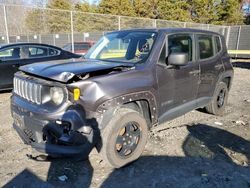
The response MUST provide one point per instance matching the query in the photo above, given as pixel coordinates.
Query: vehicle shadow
(205, 164)
(211, 142)
(242, 64)
(6, 91)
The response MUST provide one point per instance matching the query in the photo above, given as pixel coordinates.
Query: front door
(177, 85)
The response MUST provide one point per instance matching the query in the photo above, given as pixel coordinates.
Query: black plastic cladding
(130, 98)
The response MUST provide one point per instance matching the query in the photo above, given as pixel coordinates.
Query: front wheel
(124, 138)
(219, 101)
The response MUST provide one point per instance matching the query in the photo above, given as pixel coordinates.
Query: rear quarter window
(218, 44)
(53, 52)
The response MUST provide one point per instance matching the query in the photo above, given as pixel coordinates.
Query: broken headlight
(57, 95)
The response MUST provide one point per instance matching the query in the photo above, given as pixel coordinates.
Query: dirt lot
(195, 150)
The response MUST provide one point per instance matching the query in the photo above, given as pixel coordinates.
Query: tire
(126, 124)
(219, 101)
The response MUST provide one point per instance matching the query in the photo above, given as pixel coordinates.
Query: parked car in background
(12, 56)
(79, 47)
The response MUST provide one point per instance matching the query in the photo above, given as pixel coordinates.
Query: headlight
(56, 95)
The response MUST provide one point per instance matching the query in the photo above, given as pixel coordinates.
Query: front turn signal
(77, 93)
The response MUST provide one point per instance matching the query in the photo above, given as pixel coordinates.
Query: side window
(217, 44)
(181, 43)
(78, 47)
(86, 46)
(205, 43)
(67, 47)
(81, 46)
(37, 52)
(10, 54)
(53, 52)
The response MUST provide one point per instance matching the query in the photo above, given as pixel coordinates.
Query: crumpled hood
(64, 70)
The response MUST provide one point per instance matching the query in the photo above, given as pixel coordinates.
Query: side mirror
(178, 59)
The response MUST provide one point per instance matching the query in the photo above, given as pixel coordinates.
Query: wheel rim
(221, 98)
(128, 139)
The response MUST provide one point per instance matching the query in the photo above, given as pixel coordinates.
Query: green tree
(117, 7)
(205, 11)
(84, 22)
(231, 13)
(32, 19)
(85, 7)
(146, 8)
(59, 20)
(177, 10)
(60, 4)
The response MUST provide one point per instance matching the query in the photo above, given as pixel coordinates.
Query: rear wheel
(219, 101)
(124, 138)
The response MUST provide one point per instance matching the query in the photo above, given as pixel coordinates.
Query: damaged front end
(55, 129)
(68, 135)
(49, 117)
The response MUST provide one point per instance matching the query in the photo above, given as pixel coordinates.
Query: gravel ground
(195, 150)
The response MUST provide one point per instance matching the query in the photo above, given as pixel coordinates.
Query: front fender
(132, 97)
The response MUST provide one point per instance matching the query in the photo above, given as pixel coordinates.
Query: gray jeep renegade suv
(127, 83)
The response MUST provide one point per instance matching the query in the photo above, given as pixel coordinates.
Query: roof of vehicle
(27, 43)
(172, 30)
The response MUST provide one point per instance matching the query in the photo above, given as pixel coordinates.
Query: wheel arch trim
(227, 74)
(132, 97)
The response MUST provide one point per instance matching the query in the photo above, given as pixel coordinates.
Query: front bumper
(63, 134)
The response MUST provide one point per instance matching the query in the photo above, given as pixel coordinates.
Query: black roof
(172, 30)
(26, 43)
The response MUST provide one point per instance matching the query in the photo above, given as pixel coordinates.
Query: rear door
(209, 57)
(9, 64)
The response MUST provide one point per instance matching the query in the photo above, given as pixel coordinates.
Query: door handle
(219, 66)
(195, 72)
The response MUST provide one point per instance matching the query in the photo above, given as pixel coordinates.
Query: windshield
(125, 46)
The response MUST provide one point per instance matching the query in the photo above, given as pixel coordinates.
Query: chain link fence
(60, 27)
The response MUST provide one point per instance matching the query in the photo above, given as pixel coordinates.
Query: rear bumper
(69, 134)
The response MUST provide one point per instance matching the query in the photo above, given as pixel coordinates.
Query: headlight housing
(57, 95)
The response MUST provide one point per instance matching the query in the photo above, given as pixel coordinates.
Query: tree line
(219, 12)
